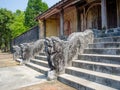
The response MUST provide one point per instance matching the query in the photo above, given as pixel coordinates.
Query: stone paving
(19, 76)
(52, 85)
(16, 77)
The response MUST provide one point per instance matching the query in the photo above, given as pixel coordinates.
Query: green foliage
(34, 8)
(18, 26)
(6, 19)
(14, 24)
(11, 26)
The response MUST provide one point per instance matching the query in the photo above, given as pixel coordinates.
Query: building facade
(68, 16)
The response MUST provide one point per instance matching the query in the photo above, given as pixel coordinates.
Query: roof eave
(55, 9)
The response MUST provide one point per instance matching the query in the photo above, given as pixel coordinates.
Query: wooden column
(104, 14)
(84, 21)
(78, 20)
(44, 24)
(38, 32)
(61, 23)
(118, 12)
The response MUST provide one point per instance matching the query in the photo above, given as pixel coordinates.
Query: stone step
(39, 62)
(108, 33)
(112, 34)
(97, 66)
(38, 68)
(82, 84)
(107, 39)
(43, 54)
(106, 51)
(105, 45)
(113, 59)
(41, 57)
(98, 77)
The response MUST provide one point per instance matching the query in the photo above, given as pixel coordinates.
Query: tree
(6, 18)
(34, 8)
(18, 26)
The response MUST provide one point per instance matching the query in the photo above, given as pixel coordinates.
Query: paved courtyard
(16, 77)
(19, 76)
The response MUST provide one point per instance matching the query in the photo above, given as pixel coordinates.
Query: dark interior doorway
(111, 13)
(94, 17)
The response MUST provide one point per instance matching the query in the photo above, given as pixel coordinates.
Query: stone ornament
(62, 52)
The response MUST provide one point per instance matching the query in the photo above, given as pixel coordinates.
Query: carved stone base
(20, 61)
(51, 75)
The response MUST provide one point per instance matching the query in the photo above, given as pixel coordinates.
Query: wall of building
(89, 15)
(41, 25)
(30, 36)
(70, 20)
(52, 27)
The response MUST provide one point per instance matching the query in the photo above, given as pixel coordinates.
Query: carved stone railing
(26, 51)
(107, 32)
(68, 50)
(65, 51)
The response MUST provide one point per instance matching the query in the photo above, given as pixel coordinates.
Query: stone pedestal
(20, 61)
(51, 75)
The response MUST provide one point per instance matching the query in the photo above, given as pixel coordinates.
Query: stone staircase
(39, 63)
(98, 68)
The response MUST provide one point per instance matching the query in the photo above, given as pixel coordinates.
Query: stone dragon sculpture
(65, 51)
